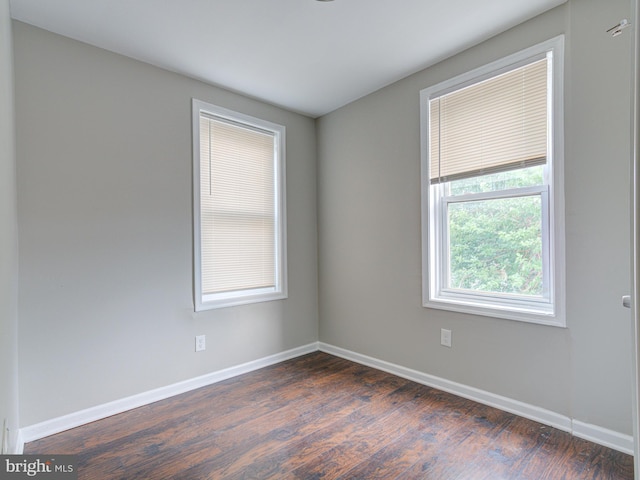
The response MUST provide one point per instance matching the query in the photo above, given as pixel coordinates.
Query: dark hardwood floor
(319, 416)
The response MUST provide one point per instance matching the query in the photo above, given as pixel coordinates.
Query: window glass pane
(524, 177)
(495, 245)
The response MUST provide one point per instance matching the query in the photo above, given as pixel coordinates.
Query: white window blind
(496, 125)
(238, 224)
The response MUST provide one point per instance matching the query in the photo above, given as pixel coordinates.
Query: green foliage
(496, 245)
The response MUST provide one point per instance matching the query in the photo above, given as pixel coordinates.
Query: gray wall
(8, 237)
(104, 208)
(369, 233)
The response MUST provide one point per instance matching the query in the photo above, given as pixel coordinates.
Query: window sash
(442, 287)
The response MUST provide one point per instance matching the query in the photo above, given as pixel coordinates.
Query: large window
(493, 237)
(239, 222)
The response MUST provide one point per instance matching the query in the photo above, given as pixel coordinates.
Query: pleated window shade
(238, 206)
(496, 125)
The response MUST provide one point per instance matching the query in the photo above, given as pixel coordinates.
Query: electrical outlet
(200, 343)
(445, 337)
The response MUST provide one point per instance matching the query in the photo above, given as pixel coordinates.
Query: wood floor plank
(332, 435)
(322, 417)
(359, 397)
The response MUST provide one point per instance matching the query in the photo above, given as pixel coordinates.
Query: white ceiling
(308, 56)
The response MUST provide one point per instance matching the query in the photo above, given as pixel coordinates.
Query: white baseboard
(603, 436)
(72, 420)
(593, 433)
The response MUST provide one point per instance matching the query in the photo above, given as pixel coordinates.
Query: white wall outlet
(200, 343)
(445, 337)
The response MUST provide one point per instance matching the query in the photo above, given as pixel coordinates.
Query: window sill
(212, 302)
(508, 312)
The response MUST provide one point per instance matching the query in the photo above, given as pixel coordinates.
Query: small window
(493, 239)
(239, 221)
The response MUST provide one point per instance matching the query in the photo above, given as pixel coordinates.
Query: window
(239, 214)
(492, 190)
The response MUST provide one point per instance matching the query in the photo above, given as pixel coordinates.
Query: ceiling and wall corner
(307, 56)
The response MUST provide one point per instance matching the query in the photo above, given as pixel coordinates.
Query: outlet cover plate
(445, 337)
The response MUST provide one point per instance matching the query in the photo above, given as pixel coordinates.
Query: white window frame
(549, 309)
(210, 301)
